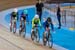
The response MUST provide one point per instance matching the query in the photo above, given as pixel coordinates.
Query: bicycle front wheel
(24, 32)
(32, 35)
(50, 41)
(37, 36)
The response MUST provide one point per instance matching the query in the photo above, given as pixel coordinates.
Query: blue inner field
(62, 37)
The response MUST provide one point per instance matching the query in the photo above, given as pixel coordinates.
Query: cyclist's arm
(52, 27)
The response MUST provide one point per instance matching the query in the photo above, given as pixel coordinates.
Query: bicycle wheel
(50, 41)
(32, 35)
(10, 28)
(37, 36)
(44, 39)
(20, 30)
(14, 27)
(24, 32)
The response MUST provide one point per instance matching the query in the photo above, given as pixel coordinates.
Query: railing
(67, 14)
(68, 18)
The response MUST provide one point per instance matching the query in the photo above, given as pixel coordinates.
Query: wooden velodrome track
(9, 41)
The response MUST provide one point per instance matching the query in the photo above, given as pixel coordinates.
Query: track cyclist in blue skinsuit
(23, 19)
(47, 23)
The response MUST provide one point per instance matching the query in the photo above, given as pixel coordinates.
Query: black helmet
(48, 19)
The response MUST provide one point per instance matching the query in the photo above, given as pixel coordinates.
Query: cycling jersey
(46, 25)
(24, 16)
(35, 22)
(14, 15)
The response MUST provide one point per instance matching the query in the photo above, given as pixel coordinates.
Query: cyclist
(14, 18)
(23, 18)
(14, 14)
(47, 23)
(34, 34)
(24, 15)
(35, 21)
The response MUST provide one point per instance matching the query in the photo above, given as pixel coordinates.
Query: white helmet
(36, 16)
(15, 10)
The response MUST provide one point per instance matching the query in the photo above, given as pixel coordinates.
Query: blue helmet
(25, 11)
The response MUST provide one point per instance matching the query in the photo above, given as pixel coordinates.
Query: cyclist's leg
(23, 23)
(23, 27)
(32, 33)
(14, 25)
(20, 24)
(45, 34)
(50, 40)
(32, 30)
(37, 34)
(10, 25)
(48, 32)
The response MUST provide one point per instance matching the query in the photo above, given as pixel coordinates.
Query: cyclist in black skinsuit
(13, 18)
